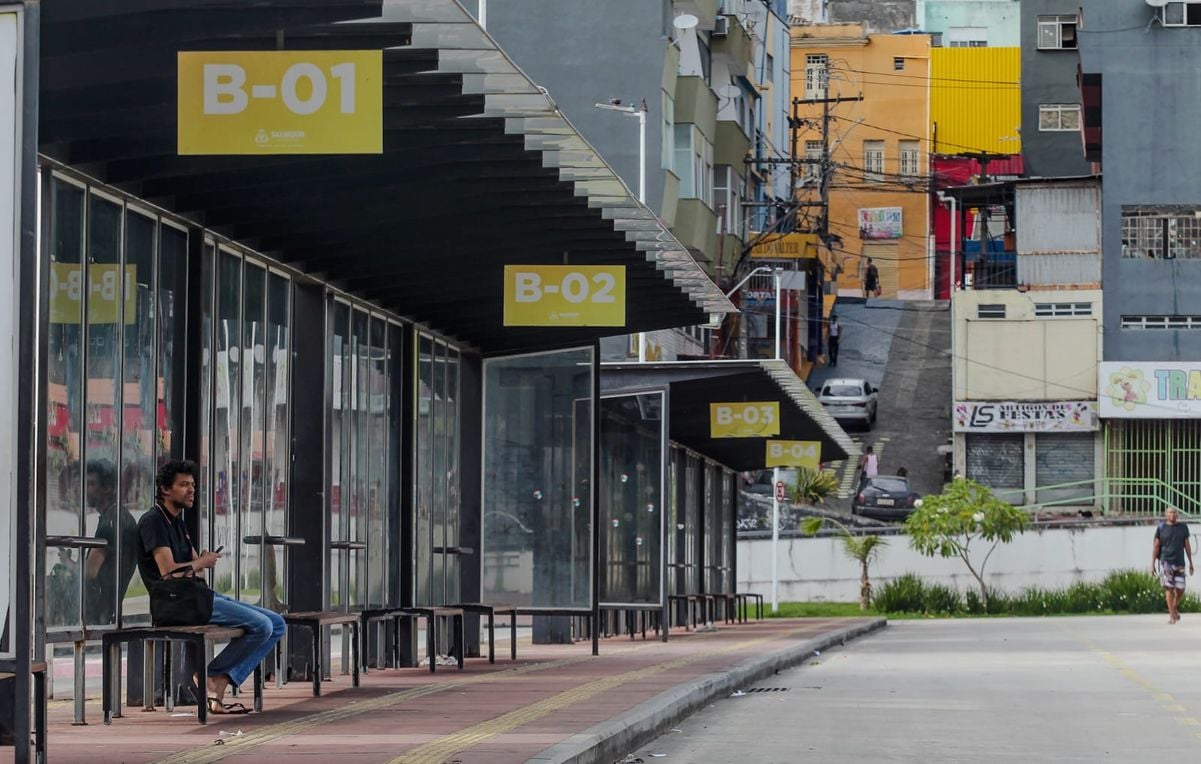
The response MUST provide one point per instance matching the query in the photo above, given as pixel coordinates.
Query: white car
(849, 400)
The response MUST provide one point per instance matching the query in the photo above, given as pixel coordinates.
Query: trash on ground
(738, 694)
(224, 733)
(657, 755)
(182, 715)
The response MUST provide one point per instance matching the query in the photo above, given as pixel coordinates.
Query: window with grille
(727, 199)
(1057, 32)
(1161, 322)
(967, 37)
(816, 75)
(813, 152)
(988, 310)
(873, 160)
(1161, 232)
(1060, 309)
(911, 156)
(1058, 117)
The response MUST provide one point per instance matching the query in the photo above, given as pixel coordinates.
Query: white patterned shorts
(1172, 576)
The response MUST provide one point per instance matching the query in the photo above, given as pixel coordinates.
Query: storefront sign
(565, 295)
(1022, 416)
(1150, 390)
(104, 293)
(794, 453)
(881, 223)
(281, 102)
(759, 419)
(789, 246)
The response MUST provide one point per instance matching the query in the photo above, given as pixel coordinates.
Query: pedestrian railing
(1111, 496)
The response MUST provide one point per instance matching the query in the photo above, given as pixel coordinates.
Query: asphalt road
(1084, 689)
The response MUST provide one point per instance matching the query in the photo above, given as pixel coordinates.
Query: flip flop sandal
(226, 709)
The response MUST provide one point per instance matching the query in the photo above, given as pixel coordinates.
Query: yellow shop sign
(794, 453)
(281, 102)
(565, 295)
(744, 420)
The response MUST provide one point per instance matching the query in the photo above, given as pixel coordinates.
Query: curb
(611, 740)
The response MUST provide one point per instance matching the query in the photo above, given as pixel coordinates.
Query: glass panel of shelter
(114, 396)
(436, 554)
(631, 499)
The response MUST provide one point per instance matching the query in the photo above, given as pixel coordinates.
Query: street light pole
(632, 111)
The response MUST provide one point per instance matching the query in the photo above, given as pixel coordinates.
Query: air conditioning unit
(721, 26)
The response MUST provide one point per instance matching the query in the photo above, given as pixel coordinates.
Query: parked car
(849, 400)
(885, 497)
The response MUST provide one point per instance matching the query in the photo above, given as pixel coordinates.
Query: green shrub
(941, 600)
(904, 594)
(1132, 591)
(998, 603)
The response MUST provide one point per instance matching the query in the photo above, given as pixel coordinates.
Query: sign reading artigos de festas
(1022, 416)
(281, 102)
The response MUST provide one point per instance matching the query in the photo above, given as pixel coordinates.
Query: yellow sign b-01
(281, 102)
(794, 453)
(565, 295)
(759, 419)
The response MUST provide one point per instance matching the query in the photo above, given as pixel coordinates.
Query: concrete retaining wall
(816, 569)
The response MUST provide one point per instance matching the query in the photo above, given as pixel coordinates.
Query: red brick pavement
(507, 712)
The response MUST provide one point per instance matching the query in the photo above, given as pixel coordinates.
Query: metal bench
(313, 621)
(492, 611)
(691, 603)
(431, 616)
(199, 639)
(38, 670)
(729, 606)
(744, 599)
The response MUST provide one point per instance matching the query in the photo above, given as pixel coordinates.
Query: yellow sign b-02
(565, 295)
(794, 453)
(281, 102)
(744, 420)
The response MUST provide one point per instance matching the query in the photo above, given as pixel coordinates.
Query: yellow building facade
(879, 152)
(976, 100)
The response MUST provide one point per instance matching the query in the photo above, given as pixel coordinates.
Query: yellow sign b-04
(565, 295)
(794, 453)
(281, 102)
(759, 419)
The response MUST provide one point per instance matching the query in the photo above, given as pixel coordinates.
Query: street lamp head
(615, 105)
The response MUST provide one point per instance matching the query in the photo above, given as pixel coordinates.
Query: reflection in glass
(105, 300)
(674, 532)
(726, 528)
(251, 490)
(227, 419)
(340, 448)
(712, 525)
(438, 472)
(64, 399)
(537, 479)
(692, 521)
(359, 473)
(631, 498)
(276, 452)
(206, 498)
(452, 474)
(377, 473)
(423, 552)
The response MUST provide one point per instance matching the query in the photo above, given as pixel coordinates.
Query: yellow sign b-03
(565, 295)
(281, 102)
(794, 453)
(759, 419)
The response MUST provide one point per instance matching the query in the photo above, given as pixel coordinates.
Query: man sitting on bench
(164, 545)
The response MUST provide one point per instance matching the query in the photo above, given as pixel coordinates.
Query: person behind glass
(165, 545)
(107, 581)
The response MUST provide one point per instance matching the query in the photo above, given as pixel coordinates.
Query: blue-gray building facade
(1051, 147)
(1150, 76)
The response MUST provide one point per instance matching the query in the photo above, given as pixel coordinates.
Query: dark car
(885, 497)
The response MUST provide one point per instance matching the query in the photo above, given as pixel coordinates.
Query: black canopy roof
(693, 385)
(479, 168)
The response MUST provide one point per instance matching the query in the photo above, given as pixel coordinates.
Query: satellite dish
(685, 21)
(1157, 3)
(729, 91)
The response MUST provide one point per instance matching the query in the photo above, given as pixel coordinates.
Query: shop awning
(694, 385)
(479, 168)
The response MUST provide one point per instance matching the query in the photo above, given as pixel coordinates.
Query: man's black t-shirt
(156, 529)
(100, 600)
(1172, 538)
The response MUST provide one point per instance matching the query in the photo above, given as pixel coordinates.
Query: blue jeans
(263, 629)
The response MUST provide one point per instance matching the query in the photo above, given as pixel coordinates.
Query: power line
(924, 77)
(915, 137)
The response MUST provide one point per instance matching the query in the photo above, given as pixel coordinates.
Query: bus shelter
(669, 471)
(323, 331)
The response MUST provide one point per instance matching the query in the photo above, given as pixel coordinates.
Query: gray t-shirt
(1172, 538)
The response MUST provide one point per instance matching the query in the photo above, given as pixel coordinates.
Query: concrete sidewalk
(557, 703)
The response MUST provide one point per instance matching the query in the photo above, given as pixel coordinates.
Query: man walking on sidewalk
(1167, 559)
(835, 338)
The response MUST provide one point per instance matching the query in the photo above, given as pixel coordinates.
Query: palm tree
(862, 549)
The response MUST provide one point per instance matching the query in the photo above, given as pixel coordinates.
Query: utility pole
(823, 225)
